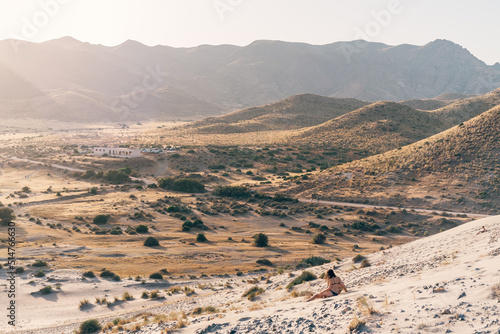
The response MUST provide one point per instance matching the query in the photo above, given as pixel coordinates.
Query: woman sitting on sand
(335, 286)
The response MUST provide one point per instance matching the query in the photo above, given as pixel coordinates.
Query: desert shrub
(101, 219)
(40, 274)
(6, 215)
(260, 240)
(90, 326)
(365, 263)
(201, 237)
(312, 262)
(127, 296)
(45, 290)
(306, 276)
(358, 258)
(253, 292)
(364, 226)
(110, 274)
(89, 274)
(264, 262)
(496, 291)
(116, 176)
(231, 191)
(282, 198)
(185, 185)
(39, 263)
(19, 270)
(392, 229)
(356, 324)
(319, 239)
(151, 242)
(156, 276)
(141, 229)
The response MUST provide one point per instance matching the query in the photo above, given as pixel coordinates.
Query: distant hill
(426, 104)
(376, 128)
(295, 112)
(455, 169)
(209, 80)
(466, 109)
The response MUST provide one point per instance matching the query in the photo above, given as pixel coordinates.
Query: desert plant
(84, 303)
(305, 276)
(156, 276)
(45, 290)
(365, 306)
(201, 237)
(356, 324)
(264, 262)
(253, 292)
(39, 263)
(90, 326)
(185, 185)
(260, 240)
(6, 215)
(151, 242)
(312, 262)
(231, 191)
(145, 295)
(358, 258)
(365, 263)
(496, 291)
(88, 274)
(154, 294)
(127, 296)
(40, 274)
(141, 229)
(319, 239)
(101, 219)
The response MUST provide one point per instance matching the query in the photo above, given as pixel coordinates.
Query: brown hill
(295, 112)
(466, 109)
(376, 128)
(458, 169)
(426, 104)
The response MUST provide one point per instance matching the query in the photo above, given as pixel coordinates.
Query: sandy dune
(439, 284)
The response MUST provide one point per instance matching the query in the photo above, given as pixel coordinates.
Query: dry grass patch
(356, 324)
(365, 306)
(253, 292)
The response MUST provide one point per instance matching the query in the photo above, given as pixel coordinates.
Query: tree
(6, 215)
(260, 240)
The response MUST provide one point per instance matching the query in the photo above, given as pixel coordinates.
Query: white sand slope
(439, 284)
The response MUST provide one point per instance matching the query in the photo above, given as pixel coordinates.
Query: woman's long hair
(329, 274)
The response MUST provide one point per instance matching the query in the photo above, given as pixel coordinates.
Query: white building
(120, 152)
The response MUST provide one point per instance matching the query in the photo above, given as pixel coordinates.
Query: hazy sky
(472, 24)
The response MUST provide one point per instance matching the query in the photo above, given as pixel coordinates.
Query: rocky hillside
(211, 79)
(455, 169)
